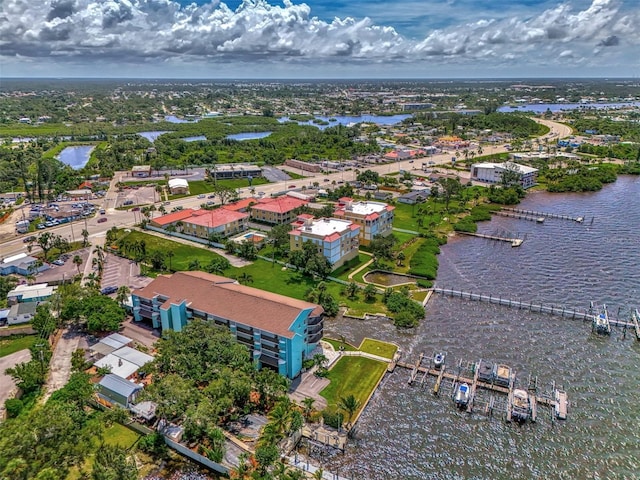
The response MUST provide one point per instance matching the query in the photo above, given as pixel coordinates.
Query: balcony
(314, 338)
(314, 320)
(313, 329)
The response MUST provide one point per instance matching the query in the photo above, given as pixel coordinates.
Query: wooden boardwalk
(534, 214)
(519, 216)
(565, 312)
(515, 242)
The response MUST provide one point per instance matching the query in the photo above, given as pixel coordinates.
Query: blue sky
(320, 38)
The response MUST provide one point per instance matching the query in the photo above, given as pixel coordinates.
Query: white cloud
(152, 31)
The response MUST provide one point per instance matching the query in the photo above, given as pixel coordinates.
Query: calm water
(557, 107)
(198, 138)
(76, 157)
(152, 136)
(407, 433)
(346, 120)
(248, 136)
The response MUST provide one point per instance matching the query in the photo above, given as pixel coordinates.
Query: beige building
(373, 218)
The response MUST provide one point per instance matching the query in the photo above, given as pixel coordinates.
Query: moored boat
(462, 395)
(520, 406)
(601, 324)
(502, 375)
(438, 360)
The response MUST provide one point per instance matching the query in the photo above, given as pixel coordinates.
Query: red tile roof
(224, 298)
(279, 204)
(173, 217)
(215, 218)
(241, 204)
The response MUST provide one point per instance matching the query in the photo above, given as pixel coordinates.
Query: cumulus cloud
(134, 31)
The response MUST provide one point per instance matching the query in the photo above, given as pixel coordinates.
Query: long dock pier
(519, 216)
(534, 214)
(515, 242)
(565, 312)
(557, 400)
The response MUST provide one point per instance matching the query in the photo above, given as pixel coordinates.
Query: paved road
(7, 385)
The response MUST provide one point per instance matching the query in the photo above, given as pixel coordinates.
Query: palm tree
(122, 295)
(170, 254)
(85, 237)
(308, 407)
(244, 278)
(350, 405)
(77, 261)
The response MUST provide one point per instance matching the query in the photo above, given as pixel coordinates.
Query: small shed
(178, 186)
(119, 391)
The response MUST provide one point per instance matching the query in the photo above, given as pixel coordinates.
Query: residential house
(21, 313)
(30, 293)
(21, 264)
(278, 331)
(118, 391)
(374, 218)
(202, 223)
(336, 239)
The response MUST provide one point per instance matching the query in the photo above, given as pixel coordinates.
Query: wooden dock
(566, 312)
(519, 216)
(534, 214)
(557, 400)
(515, 242)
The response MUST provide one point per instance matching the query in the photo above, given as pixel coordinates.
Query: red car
(102, 219)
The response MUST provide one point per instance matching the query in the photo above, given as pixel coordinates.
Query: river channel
(407, 433)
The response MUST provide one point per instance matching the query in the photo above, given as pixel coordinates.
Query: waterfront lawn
(118, 434)
(357, 376)
(343, 272)
(15, 343)
(376, 347)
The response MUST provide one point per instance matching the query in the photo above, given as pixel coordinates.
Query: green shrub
(405, 319)
(333, 419)
(13, 406)
(424, 262)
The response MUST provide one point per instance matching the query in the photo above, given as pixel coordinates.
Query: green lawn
(343, 272)
(376, 347)
(183, 254)
(357, 376)
(13, 344)
(120, 435)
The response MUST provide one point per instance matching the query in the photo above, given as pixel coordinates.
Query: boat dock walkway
(519, 216)
(557, 400)
(515, 242)
(566, 312)
(534, 214)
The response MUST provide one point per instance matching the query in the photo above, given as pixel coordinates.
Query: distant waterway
(76, 157)
(558, 107)
(174, 119)
(198, 138)
(407, 433)
(248, 136)
(348, 120)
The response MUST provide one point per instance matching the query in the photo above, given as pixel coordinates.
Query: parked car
(102, 211)
(202, 195)
(211, 196)
(135, 209)
(102, 219)
(58, 262)
(41, 226)
(128, 202)
(109, 290)
(30, 238)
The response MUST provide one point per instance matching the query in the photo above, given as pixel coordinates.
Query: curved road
(127, 218)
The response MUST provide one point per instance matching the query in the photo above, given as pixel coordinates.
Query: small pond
(248, 136)
(174, 119)
(387, 279)
(76, 157)
(199, 138)
(152, 136)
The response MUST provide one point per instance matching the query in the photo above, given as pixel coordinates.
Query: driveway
(60, 365)
(139, 332)
(7, 385)
(308, 385)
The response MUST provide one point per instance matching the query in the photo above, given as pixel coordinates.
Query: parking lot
(66, 271)
(137, 196)
(122, 271)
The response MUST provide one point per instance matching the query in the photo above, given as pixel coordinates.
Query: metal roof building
(115, 389)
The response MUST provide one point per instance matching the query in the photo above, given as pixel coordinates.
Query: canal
(407, 433)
